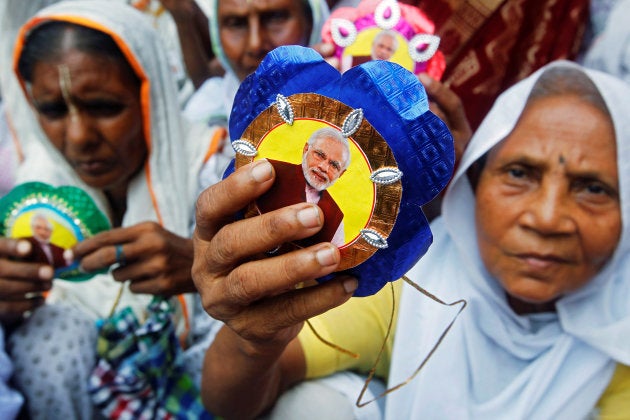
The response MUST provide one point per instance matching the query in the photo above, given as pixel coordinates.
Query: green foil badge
(52, 220)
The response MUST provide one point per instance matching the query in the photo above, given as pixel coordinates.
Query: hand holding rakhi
(21, 282)
(257, 298)
(153, 259)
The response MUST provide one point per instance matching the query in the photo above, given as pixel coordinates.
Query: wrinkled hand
(21, 282)
(445, 103)
(327, 51)
(156, 261)
(257, 297)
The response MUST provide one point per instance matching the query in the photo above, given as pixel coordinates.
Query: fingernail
(23, 247)
(327, 48)
(350, 285)
(326, 257)
(309, 217)
(261, 171)
(45, 272)
(425, 79)
(68, 255)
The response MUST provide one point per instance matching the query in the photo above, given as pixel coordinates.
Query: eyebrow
(331, 161)
(585, 173)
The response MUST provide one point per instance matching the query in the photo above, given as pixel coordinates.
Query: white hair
(40, 216)
(333, 134)
(386, 32)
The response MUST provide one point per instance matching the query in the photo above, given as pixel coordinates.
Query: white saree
(494, 364)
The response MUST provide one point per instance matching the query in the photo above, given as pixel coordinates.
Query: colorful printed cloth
(490, 45)
(139, 374)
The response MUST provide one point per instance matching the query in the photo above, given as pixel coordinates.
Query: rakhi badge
(52, 220)
(385, 30)
(363, 146)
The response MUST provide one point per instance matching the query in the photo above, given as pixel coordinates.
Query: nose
(79, 132)
(255, 39)
(549, 211)
(324, 166)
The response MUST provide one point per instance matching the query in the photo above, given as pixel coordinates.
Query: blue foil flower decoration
(395, 103)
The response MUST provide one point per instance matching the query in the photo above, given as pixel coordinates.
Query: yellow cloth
(615, 402)
(368, 319)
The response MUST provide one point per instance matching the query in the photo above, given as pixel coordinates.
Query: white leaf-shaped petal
(386, 176)
(423, 46)
(374, 238)
(387, 14)
(343, 32)
(284, 109)
(244, 147)
(352, 122)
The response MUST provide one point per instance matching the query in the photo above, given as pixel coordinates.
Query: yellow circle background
(353, 192)
(61, 236)
(362, 46)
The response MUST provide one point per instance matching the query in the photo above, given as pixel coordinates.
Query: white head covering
(213, 100)
(494, 363)
(610, 51)
(165, 190)
(22, 124)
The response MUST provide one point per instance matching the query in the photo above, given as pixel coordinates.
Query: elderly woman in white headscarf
(542, 261)
(242, 33)
(99, 82)
(534, 235)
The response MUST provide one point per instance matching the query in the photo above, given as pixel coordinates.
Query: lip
(321, 178)
(93, 166)
(542, 261)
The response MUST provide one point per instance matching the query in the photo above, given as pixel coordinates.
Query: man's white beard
(312, 179)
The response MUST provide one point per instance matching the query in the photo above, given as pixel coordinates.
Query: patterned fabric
(140, 374)
(53, 355)
(490, 45)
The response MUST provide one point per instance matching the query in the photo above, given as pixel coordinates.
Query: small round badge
(52, 220)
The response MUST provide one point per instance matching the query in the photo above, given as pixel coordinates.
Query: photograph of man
(43, 250)
(325, 157)
(384, 45)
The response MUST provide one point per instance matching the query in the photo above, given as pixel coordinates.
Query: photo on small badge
(52, 220)
(385, 30)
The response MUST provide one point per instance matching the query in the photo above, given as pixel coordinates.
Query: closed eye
(105, 109)
(276, 17)
(52, 110)
(234, 22)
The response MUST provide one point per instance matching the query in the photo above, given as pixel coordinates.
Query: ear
(305, 148)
